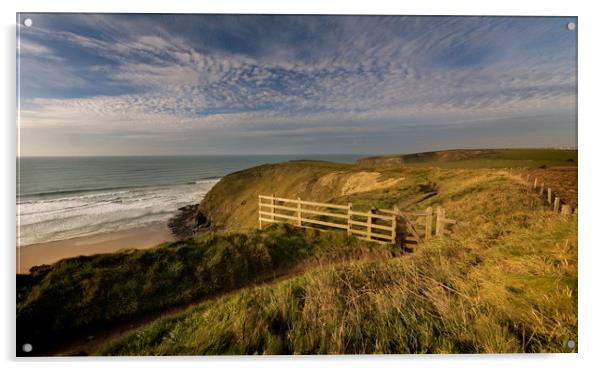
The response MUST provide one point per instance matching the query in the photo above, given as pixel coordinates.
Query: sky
(119, 84)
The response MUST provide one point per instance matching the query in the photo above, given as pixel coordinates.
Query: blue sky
(117, 84)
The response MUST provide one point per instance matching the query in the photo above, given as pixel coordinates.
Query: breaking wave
(84, 212)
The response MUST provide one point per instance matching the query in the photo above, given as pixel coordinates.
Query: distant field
(479, 158)
(562, 181)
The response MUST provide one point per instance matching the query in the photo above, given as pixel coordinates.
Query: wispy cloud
(292, 74)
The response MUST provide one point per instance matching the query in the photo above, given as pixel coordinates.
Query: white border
(589, 139)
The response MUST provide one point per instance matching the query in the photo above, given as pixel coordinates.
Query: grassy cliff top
(505, 282)
(381, 182)
(477, 158)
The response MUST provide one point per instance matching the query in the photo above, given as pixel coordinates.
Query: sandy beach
(50, 252)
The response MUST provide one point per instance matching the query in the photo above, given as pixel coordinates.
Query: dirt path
(93, 341)
(416, 199)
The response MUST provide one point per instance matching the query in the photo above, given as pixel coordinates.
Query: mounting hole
(570, 26)
(28, 22)
(27, 347)
(570, 344)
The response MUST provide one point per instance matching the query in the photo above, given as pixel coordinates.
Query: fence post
(349, 205)
(428, 223)
(369, 224)
(541, 189)
(439, 226)
(535, 184)
(556, 204)
(550, 195)
(272, 209)
(259, 210)
(298, 211)
(528, 176)
(394, 224)
(565, 210)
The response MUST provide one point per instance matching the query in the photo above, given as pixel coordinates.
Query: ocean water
(65, 197)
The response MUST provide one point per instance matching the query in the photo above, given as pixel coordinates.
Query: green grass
(449, 297)
(492, 158)
(506, 282)
(498, 163)
(232, 203)
(77, 295)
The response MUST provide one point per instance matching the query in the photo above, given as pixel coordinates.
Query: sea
(65, 197)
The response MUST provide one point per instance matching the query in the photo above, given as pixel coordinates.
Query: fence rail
(377, 225)
(365, 225)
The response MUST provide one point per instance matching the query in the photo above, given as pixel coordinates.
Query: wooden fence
(378, 225)
(554, 201)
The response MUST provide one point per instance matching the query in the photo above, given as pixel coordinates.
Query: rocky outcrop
(189, 221)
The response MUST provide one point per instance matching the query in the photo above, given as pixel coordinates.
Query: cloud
(291, 74)
(32, 48)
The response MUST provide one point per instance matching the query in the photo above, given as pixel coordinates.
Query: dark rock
(189, 221)
(201, 219)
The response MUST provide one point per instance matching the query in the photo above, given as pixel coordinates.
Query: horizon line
(295, 154)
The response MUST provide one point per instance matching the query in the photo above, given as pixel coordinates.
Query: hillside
(109, 289)
(232, 203)
(505, 282)
(373, 182)
(477, 158)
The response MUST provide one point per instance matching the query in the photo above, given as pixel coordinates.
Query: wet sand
(50, 252)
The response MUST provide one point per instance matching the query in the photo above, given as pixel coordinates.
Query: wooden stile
(413, 232)
(394, 233)
(428, 223)
(439, 224)
(442, 221)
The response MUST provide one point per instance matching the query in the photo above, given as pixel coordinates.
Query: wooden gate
(372, 225)
(419, 225)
